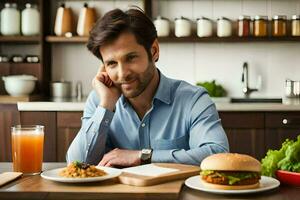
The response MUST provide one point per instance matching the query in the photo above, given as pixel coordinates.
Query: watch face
(146, 151)
(146, 154)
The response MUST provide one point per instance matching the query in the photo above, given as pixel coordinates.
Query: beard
(134, 84)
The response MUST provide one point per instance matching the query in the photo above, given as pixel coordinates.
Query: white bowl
(19, 85)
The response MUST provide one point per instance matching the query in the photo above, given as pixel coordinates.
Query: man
(136, 115)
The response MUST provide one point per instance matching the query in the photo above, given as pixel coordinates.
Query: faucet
(245, 79)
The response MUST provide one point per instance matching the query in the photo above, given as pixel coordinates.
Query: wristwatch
(145, 156)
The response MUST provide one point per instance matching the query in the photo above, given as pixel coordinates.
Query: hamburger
(230, 171)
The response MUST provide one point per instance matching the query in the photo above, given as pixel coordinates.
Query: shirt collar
(163, 92)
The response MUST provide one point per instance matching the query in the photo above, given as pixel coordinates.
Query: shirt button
(106, 121)
(143, 125)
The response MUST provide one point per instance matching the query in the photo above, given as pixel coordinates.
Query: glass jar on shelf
(183, 27)
(10, 20)
(30, 20)
(204, 27)
(296, 25)
(260, 26)
(244, 24)
(162, 26)
(279, 25)
(224, 27)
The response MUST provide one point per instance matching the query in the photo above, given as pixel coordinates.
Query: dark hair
(115, 22)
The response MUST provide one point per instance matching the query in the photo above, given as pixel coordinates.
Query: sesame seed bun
(230, 162)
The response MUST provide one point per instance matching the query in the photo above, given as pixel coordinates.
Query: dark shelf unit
(173, 39)
(148, 7)
(231, 39)
(61, 39)
(20, 39)
(41, 70)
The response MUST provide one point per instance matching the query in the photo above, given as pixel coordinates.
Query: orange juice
(27, 149)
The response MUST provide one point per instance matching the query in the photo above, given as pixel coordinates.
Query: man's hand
(107, 92)
(121, 157)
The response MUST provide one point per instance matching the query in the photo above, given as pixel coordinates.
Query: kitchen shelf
(62, 39)
(233, 39)
(20, 39)
(13, 99)
(214, 39)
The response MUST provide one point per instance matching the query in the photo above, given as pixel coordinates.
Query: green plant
(213, 89)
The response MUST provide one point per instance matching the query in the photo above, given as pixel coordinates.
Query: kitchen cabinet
(68, 125)
(280, 126)
(248, 132)
(47, 119)
(9, 116)
(60, 130)
(254, 133)
(245, 132)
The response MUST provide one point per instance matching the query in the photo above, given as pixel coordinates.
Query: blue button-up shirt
(182, 126)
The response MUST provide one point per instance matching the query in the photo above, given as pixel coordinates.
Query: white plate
(266, 183)
(53, 175)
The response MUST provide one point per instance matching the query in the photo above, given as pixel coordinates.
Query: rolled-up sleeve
(89, 143)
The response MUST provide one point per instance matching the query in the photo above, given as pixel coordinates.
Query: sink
(256, 100)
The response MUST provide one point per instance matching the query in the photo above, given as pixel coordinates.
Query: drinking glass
(27, 148)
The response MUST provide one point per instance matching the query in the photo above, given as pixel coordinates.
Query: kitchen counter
(35, 187)
(221, 106)
(257, 107)
(52, 105)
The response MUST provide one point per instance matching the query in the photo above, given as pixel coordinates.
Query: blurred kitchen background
(275, 61)
(46, 41)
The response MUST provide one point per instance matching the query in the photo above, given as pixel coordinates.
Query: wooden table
(34, 187)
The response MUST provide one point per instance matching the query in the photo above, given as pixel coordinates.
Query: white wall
(193, 62)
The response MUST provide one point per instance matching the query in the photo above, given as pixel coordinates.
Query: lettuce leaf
(287, 158)
(291, 161)
(206, 172)
(232, 180)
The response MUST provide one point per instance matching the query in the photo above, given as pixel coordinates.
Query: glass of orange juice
(27, 148)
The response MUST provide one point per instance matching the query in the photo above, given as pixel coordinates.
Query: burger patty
(222, 178)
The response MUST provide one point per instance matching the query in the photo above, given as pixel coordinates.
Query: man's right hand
(106, 90)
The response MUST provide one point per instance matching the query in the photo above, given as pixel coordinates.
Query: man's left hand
(121, 157)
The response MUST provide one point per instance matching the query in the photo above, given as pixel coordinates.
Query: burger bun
(230, 162)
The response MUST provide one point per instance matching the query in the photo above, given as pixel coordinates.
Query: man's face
(127, 64)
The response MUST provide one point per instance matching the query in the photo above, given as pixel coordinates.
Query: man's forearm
(89, 144)
(191, 157)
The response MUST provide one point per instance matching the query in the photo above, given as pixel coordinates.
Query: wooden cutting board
(35, 187)
(184, 171)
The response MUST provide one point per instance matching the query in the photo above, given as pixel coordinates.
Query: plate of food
(77, 172)
(266, 183)
(231, 173)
